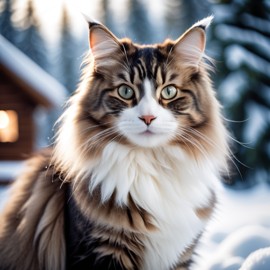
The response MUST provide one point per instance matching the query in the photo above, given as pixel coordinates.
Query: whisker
(244, 144)
(176, 136)
(115, 137)
(199, 147)
(230, 156)
(234, 121)
(240, 143)
(202, 136)
(99, 137)
(97, 126)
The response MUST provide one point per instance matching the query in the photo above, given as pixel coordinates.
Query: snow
(238, 245)
(237, 55)
(256, 22)
(241, 226)
(256, 123)
(233, 86)
(238, 237)
(240, 36)
(258, 260)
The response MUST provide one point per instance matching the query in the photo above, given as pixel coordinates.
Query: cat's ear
(103, 44)
(191, 45)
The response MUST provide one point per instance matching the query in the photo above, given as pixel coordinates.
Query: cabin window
(9, 127)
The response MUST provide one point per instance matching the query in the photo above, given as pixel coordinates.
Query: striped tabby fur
(131, 181)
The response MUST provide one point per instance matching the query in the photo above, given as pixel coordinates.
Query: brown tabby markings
(119, 243)
(122, 227)
(31, 235)
(130, 218)
(34, 218)
(207, 211)
(155, 63)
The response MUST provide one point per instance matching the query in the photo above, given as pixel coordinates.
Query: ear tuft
(204, 23)
(191, 45)
(91, 22)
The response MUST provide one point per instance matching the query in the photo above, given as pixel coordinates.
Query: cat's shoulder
(38, 173)
(34, 213)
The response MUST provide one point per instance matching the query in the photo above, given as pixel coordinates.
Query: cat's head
(146, 95)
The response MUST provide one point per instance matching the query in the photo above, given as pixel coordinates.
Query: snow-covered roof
(43, 87)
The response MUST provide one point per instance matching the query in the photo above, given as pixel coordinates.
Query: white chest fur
(166, 183)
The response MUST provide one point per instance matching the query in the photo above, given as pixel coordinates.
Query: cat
(132, 178)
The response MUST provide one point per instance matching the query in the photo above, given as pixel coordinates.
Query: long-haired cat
(131, 181)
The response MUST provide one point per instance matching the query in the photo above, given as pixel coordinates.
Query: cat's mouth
(147, 133)
(148, 138)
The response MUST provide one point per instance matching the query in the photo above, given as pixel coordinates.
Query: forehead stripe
(142, 67)
(155, 70)
(140, 72)
(122, 77)
(132, 75)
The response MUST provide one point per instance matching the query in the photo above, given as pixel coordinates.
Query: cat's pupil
(169, 92)
(125, 92)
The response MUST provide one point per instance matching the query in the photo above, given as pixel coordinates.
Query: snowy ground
(239, 235)
(240, 227)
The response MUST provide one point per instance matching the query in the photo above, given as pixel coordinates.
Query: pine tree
(31, 41)
(241, 32)
(138, 22)
(68, 54)
(180, 15)
(6, 26)
(107, 15)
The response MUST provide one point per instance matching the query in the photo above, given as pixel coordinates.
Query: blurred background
(53, 35)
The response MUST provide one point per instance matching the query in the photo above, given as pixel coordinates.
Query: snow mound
(239, 229)
(238, 245)
(258, 260)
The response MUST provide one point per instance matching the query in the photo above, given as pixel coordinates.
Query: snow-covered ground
(238, 238)
(240, 227)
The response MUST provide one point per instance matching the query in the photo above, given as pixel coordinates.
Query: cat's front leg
(103, 247)
(117, 250)
(109, 257)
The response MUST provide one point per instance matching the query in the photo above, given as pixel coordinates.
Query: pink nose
(147, 119)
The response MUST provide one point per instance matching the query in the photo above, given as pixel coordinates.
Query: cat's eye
(169, 92)
(125, 92)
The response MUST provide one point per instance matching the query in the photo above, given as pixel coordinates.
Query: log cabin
(24, 88)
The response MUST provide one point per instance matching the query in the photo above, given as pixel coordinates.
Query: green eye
(125, 92)
(169, 92)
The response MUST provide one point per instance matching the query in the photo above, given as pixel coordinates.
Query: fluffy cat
(131, 180)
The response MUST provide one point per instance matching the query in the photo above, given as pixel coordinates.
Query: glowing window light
(9, 130)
